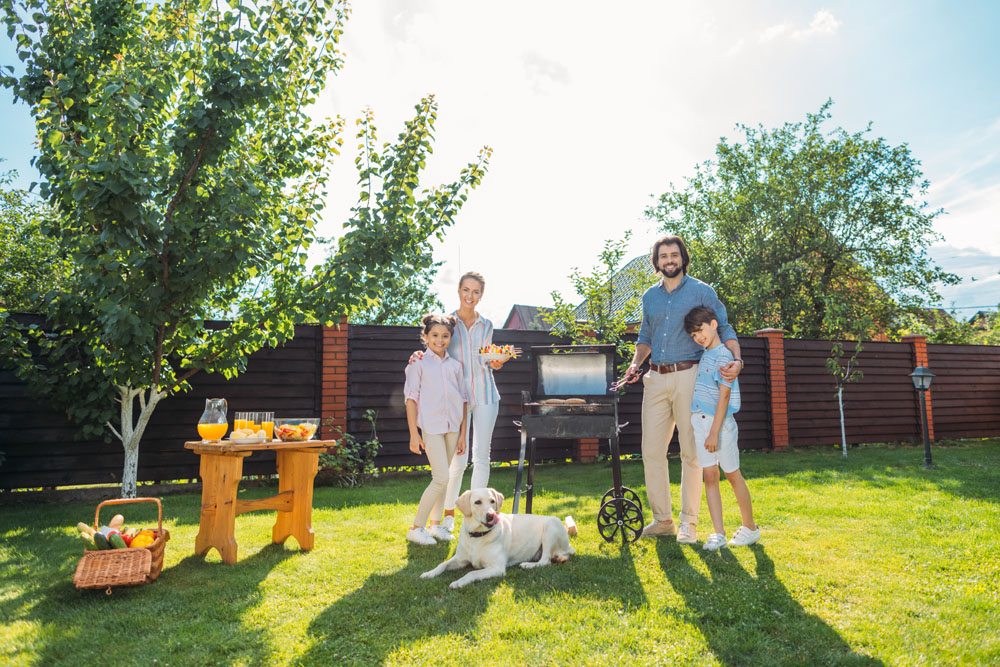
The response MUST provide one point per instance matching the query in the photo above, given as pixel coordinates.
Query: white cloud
(774, 32)
(823, 23)
(735, 48)
(543, 72)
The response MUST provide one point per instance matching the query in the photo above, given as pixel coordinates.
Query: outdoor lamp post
(922, 378)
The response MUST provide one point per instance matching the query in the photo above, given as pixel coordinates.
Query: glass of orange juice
(267, 423)
(240, 421)
(213, 423)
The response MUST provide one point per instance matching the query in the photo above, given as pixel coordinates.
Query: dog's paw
(528, 565)
(429, 574)
(456, 584)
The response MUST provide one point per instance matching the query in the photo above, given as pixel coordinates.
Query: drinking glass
(267, 423)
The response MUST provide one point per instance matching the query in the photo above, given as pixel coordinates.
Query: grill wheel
(619, 516)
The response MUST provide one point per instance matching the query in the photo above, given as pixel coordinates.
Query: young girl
(436, 415)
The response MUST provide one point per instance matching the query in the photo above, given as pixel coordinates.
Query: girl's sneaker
(715, 542)
(744, 537)
(448, 522)
(420, 536)
(439, 533)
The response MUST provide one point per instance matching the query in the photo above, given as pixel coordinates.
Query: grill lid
(573, 371)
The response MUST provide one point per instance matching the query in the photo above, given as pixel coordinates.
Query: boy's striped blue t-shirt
(706, 386)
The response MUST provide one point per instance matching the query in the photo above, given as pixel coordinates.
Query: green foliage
(794, 218)
(604, 322)
(405, 301)
(352, 461)
(29, 261)
(940, 327)
(181, 164)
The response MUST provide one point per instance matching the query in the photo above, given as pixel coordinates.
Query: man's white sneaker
(744, 537)
(448, 522)
(715, 542)
(420, 536)
(439, 533)
(687, 534)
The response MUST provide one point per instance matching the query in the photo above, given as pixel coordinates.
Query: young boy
(712, 408)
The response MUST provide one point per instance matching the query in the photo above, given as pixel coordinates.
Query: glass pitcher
(213, 423)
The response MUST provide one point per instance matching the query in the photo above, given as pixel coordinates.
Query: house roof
(624, 288)
(528, 317)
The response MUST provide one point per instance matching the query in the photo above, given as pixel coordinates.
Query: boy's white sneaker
(744, 537)
(439, 533)
(687, 534)
(448, 522)
(715, 542)
(420, 536)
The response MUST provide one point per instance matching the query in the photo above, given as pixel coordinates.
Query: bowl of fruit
(295, 429)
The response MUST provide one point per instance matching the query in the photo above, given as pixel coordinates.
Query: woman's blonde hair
(478, 277)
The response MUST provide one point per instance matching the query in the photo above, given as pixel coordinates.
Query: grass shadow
(392, 610)
(750, 618)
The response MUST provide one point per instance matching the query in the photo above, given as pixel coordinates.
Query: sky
(592, 109)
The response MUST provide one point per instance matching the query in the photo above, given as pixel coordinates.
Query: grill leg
(531, 475)
(616, 465)
(520, 468)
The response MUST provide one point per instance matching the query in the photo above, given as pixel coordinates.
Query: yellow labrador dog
(490, 542)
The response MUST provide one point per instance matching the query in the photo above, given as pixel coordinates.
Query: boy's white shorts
(727, 456)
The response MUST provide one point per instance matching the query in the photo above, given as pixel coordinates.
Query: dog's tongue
(491, 519)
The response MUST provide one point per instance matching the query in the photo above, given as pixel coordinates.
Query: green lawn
(868, 560)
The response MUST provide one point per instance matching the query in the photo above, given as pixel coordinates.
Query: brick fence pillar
(333, 396)
(586, 450)
(918, 344)
(776, 384)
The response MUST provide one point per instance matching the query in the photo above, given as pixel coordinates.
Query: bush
(352, 462)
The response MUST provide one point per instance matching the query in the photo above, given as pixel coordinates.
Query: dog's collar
(480, 533)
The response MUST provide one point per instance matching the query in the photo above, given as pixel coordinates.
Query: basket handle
(125, 501)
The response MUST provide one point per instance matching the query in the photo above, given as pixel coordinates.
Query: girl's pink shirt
(437, 386)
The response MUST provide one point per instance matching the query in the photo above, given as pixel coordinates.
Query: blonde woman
(472, 332)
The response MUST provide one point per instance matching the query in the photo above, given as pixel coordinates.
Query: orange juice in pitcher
(213, 423)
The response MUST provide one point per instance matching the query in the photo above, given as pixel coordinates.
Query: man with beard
(669, 384)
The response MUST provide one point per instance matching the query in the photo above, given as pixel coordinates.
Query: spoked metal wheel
(626, 493)
(620, 516)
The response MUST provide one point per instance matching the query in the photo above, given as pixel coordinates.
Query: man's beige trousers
(666, 401)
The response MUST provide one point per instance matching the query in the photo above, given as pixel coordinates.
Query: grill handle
(621, 426)
(516, 423)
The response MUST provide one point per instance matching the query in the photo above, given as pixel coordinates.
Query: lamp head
(922, 378)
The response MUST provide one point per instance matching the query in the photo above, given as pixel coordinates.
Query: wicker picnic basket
(123, 567)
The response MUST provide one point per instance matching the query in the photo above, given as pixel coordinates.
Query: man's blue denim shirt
(663, 320)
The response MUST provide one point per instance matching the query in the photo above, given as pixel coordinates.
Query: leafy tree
(610, 299)
(178, 155)
(405, 301)
(954, 328)
(29, 260)
(794, 218)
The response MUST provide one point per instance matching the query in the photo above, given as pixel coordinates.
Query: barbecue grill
(581, 375)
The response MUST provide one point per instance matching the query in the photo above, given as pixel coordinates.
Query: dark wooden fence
(40, 449)
(881, 407)
(966, 392)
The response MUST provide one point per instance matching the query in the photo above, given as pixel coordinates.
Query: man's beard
(671, 274)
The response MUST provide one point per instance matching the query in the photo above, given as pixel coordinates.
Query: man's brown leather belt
(670, 368)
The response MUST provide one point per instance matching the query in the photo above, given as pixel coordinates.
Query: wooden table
(221, 471)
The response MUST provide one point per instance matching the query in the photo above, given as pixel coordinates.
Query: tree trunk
(843, 432)
(130, 471)
(131, 434)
